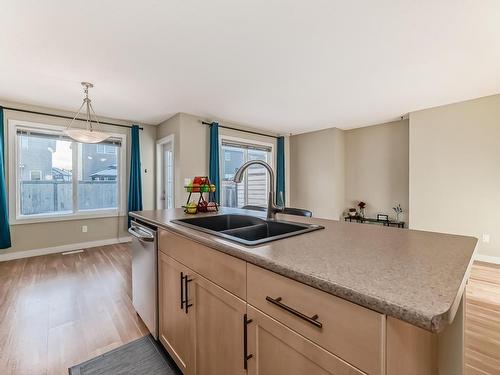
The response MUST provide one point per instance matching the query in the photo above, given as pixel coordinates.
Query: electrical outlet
(486, 238)
(84, 228)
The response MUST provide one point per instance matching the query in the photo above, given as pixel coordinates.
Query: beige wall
(172, 126)
(317, 172)
(148, 157)
(454, 170)
(190, 150)
(60, 233)
(333, 169)
(192, 146)
(376, 165)
(194, 149)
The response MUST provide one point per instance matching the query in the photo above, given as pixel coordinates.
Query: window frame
(247, 141)
(14, 186)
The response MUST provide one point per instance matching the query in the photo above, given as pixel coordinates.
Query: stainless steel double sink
(245, 229)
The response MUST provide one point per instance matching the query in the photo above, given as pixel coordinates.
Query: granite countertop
(415, 276)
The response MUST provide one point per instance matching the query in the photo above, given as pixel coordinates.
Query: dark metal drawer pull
(182, 291)
(246, 356)
(310, 319)
(187, 305)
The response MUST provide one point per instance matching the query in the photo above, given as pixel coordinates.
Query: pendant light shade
(86, 136)
(91, 133)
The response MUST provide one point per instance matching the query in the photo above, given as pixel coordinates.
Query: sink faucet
(272, 208)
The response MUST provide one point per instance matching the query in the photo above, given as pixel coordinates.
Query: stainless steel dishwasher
(144, 274)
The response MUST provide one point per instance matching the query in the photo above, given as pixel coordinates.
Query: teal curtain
(213, 165)
(280, 171)
(135, 186)
(4, 212)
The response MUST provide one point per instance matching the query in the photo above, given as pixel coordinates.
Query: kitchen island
(405, 288)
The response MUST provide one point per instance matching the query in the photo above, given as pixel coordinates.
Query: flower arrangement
(398, 210)
(362, 206)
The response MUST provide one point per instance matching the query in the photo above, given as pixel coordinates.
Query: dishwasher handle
(140, 234)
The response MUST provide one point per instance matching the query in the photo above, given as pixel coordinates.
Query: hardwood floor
(60, 310)
(482, 338)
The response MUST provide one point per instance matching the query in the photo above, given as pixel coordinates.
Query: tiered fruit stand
(201, 185)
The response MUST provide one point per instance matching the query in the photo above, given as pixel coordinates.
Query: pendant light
(91, 133)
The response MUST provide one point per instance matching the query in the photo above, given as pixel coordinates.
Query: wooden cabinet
(347, 330)
(218, 338)
(206, 338)
(290, 328)
(277, 350)
(176, 327)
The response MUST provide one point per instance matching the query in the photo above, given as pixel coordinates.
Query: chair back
(286, 210)
(297, 212)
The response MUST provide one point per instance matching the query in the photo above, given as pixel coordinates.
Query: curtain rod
(65, 117)
(241, 130)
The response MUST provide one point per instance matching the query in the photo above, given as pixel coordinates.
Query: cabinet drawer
(222, 269)
(275, 349)
(352, 332)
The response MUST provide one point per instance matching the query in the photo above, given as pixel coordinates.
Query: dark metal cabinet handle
(187, 305)
(310, 319)
(182, 290)
(246, 356)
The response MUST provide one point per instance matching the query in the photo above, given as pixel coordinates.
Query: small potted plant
(399, 212)
(352, 212)
(362, 206)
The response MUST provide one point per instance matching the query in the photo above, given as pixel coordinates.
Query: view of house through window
(45, 167)
(59, 176)
(97, 177)
(255, 186)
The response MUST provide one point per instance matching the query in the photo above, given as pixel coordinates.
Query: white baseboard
(488, 259)
(61, 249)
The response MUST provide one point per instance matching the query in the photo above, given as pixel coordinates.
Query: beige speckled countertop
(418, 277)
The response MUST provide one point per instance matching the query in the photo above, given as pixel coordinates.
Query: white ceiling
(282, 65)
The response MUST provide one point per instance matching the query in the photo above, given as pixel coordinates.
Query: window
(165, 172)
(97, 177)
(105, 149)
(40, 158)
(24, 142)
(35, 175)
(255, 186)
(56, 176)
(169, 159)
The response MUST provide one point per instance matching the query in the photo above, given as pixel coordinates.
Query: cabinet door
(176, 332)
(277, 350)
(218, 329)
